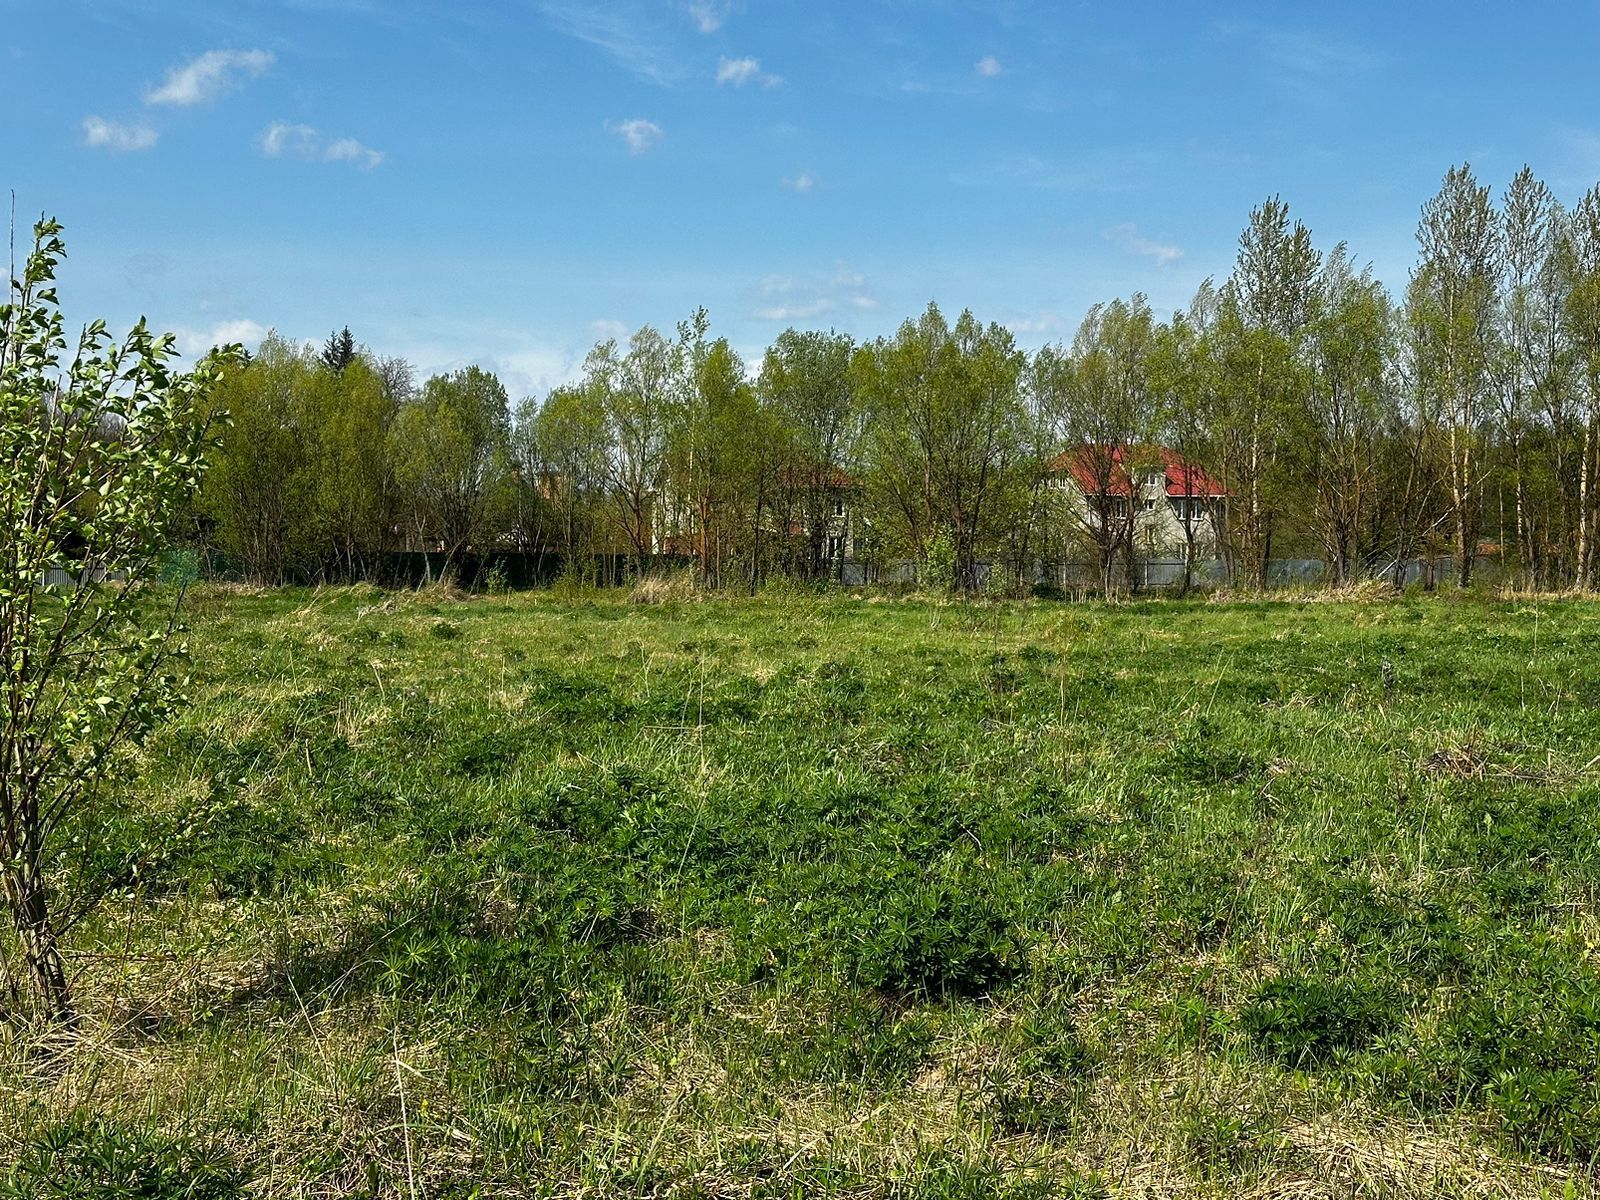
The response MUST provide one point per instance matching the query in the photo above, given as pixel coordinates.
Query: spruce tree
(339, 351)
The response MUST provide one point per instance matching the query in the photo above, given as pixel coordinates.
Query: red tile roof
(1183, 479)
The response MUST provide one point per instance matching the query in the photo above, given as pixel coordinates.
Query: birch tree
(451, 448)
(1451, 308)
(945, 415)
(1107, 424)
(1583, 330)
(1529, 364)
(1350, 345)
(638, 389)
(1258, 340)
(806, 379)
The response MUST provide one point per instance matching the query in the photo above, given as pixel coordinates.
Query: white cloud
(192, 343)
(787, 298)
(1126, 237)
(989, 66)
(1035, 324)
(112, 135)
(641, 135)
(708, 15)
(525, 368)
(740, 71)
(209, 76)
(349, 150)
(802, 182)
(283, 140)
(607, 329)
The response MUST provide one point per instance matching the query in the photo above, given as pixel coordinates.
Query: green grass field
(834, 897)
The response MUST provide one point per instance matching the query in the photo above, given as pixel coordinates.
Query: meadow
(435, 896)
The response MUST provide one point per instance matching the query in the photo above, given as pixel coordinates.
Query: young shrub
(938, 572)
(99, 453)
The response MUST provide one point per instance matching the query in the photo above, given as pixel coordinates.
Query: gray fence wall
(55, 577)
(1168, 573)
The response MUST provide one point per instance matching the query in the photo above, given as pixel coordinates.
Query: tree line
(1458, 419)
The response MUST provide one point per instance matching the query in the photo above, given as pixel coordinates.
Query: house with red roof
(1161, 501)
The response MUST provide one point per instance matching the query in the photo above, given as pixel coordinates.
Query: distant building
(1171, 501)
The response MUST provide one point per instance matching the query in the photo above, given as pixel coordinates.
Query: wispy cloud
(740, 71)
(1040, 324)
(802, 182)
(989, 66)
(641, 135)
(1123, 170)
(628, 33)
(114, 135)
(1315, 68)
(608, 329)
(1127, 238)
(210, 75)
(708, 15)
(284, 140)
(1576, 162)
(791, 298)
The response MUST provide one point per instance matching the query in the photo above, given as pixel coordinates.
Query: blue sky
(504, 181)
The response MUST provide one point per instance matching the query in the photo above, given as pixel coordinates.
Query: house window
(1147, 505)
(835, 545)
(838, 506)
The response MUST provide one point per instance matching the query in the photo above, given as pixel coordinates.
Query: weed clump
(105, 1160)
(676, 588)
(1310, 1021)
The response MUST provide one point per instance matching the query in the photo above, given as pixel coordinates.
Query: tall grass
(807, 895)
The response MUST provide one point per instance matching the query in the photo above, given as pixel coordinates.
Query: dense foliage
(832, 897)
(1344, 424)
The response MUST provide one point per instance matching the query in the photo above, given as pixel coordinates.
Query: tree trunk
(1585, 574)
(47, 973)
(1460, 488)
